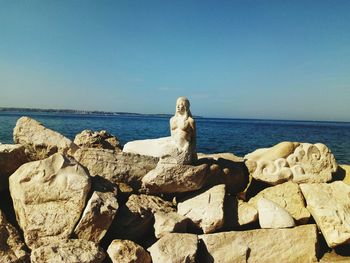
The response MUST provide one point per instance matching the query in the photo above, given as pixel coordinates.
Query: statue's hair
(187, 106)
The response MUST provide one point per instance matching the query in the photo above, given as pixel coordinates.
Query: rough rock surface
(292, 245)
(48, 197)
(165, 223)
(39, 141)
(97, 216)
(288, 161)
(116, 167)
(289, 197)
(169, 178)
(11, 157)
(206, 210)
(11, 245)
(217, 156)
(246, 213)
(68, 251)
(126, 251)
(271, 215)
(329, 204)
(135, 218)
(180, 248)
(98, 139)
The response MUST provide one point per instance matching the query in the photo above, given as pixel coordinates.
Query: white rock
(165, 223)
(180, 248)
(271, 215)
(206, 210)
(329, 206)
(126, 251)
(49, 197)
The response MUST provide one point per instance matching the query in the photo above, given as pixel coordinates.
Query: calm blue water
(238, 136)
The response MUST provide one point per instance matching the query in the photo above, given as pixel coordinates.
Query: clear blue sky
(242, 59)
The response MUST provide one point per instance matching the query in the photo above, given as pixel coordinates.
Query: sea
(214, 135)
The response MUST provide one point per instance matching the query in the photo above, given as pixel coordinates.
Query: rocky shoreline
(88, 201)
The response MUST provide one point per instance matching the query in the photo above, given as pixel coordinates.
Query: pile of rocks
(88, 201)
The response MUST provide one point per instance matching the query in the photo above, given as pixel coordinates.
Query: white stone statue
(180, 147)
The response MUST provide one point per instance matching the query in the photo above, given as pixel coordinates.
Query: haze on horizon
(240, 59)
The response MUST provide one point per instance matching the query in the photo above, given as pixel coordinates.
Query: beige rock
(329, 206)
(97, 217)
(68, 251)
(217, 156)
(126, 251)
(136, 217)
(332, 257)
(246, 213)
(180, 248)
(346, 171)
(116, 167)
(271, 215)
(169, 178)
(12, 248)
(39, 141)
(11, 157)
(48, 198)
(206, 210)
(292, 245)
(289, 197)
(165, 223)
(297, 162)
(98, 139)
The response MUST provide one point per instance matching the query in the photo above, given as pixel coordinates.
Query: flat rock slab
(292, 245)
(126, 251)
(39, 141)
(206, 210)
(12, 248)
(329, 204)
(180, 248)
(170, 178)
(49, 197)
(68, 251)
(287, 195)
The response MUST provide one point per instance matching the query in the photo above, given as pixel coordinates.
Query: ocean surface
(214, 135)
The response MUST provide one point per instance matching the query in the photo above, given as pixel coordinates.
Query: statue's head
(183, 107)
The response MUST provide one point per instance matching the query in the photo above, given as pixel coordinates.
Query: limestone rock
(346, 169)
(246, 213)
(48, 197)
(289, 197)
(136, 217)
(217, 156)
(292, 245)
(68, 251)
(116, 167)
(329, 206)
(126, 251)
(172, 222)
(97, 217)
(332, 257)
(11, 157)
(12, 248)
(98, 139)
(169, 178)
(39, 141)
(297, 162)
(206, 210)
(271, 215)
(180, 248)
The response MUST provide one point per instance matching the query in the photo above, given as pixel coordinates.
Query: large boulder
(329, 206)
(39, 141)
(287, 195)
(206, 210)
(11, 157)
(48, 197)
(169, 178)
(116, 167)
(12, 248)
(68, 251)
(98, 139)
(165, 223)
(180, 248)
(292, 245)
(291, 161)
(126, 251)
